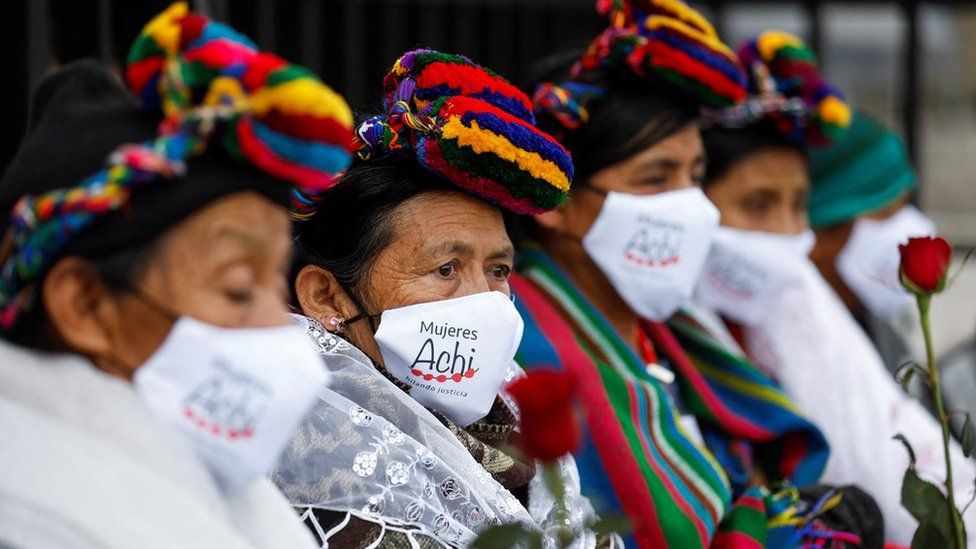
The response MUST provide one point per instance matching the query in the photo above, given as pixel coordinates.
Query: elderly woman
(149, 377)
(790, 321)
(401, 274)
(612, 264)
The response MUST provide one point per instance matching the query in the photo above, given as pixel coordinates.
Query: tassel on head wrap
(472, 128)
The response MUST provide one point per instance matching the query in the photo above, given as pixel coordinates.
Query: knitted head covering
(786, 88)
(664, 43)
(470, 127)
(279, 116)
(233, 119)
(864, 170)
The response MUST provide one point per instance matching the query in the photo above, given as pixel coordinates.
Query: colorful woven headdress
(665, 43)
(278, 116)
(214, 89)
(786, 87)
(470, 127)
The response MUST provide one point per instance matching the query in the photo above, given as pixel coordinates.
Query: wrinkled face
(766, 191)
(674, 163)
(226, 265)
(445, 245)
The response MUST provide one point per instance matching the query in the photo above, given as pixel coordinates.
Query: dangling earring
(338, 325)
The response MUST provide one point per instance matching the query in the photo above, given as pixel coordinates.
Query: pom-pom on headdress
(472, 128)
(665, 43)
(787, 88)
(214, 88)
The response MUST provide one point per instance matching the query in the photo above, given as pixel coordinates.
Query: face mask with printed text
(652, 248)
(453, 354)
(747, 270)
(236, 394)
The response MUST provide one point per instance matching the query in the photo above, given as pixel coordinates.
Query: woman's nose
(475, 284)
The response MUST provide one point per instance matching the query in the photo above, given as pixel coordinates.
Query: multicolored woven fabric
(202, 75)
(747, 420)
(279, 116)
(787, 88)
(663, 42)
(42, 225)
(637, 459)
(472, 128)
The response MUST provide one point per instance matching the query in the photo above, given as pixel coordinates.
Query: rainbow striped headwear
(281, 118)
(663, 42)
(787, 88)
(202, 75)
(470, 127)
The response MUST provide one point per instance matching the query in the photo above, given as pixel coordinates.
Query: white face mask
(652, 248)
(868, 263)
(453, 353)
(746, 271)
(237, 394)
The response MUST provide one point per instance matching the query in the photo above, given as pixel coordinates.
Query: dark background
(910, 63)
(351, 43)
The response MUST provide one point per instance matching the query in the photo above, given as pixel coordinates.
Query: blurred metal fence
(351, 43)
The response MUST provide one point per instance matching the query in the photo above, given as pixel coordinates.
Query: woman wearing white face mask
(149, 377)
(860, 212)
(402, 277)
(669, 443)
(790, 322)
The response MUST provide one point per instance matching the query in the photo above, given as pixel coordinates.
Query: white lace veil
(370, 450)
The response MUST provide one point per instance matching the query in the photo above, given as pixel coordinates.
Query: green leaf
(505, 536)
(968, 436)
(911, 453)
(611, 525)
(927, 504)
(928, 537)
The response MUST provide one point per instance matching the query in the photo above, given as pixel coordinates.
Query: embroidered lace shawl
(370, 451)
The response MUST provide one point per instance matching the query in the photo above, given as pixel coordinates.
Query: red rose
(548, 428)
(924, 263)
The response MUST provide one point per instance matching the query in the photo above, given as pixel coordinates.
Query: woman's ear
(320, 296)
(74, 298)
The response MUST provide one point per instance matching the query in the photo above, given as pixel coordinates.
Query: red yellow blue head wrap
(282, 118)
(786, 87)
(665, 43)
(214, 89)
(470, 127)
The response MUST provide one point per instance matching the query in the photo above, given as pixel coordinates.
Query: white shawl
(827, 365)
(84, 465)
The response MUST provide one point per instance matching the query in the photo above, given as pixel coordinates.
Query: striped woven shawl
(636, 459)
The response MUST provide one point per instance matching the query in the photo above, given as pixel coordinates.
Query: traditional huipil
(641, 456)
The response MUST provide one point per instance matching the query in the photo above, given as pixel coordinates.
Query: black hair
(118, 270)
(355, 221)
(629, 116)
(727, 147)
